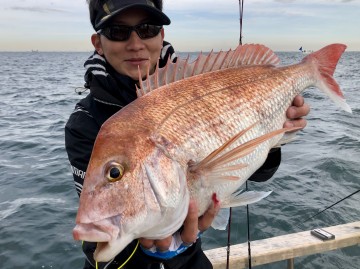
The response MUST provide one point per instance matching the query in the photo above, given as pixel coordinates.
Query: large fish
(198, 131)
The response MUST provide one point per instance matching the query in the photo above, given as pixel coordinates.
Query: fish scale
(234, 103)
(199, 137)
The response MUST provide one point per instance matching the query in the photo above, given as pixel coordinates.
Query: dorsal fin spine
(175, 71)
(171, 72)
(238, 56)
(185, 66)
(165, 71)
(148, 85)
(215, 61)
(197, 61)
(137, 91)
(258, 56)
(223, 62)
(232, 61)
(157, 75)
(246, 56)
(206, 62)
(267, 57)
(252, 57)
(140, 92)
(272, 59)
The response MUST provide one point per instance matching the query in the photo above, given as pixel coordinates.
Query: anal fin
(222, 218)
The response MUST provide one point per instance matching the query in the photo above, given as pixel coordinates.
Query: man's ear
(162, 33)
(96, 41)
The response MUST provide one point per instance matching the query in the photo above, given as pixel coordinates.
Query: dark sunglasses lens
(118, 33)
(147, 30)
(122, 32)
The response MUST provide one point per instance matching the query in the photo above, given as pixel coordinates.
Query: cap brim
(156, 15)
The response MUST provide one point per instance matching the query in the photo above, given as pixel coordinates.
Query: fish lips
(105, 230)
(108, 235)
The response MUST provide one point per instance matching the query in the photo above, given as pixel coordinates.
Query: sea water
(38, 201)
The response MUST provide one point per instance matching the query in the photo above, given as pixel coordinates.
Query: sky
(197, 25)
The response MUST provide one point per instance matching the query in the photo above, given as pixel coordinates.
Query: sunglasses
(122, 32)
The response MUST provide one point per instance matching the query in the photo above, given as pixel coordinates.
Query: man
(129, 36)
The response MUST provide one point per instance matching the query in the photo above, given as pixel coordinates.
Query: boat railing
(285, 247)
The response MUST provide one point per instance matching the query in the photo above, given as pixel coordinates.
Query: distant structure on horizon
(305, 51)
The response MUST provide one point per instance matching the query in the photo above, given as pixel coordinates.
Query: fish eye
(115, 172)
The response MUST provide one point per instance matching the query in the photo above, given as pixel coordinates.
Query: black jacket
(80, 133)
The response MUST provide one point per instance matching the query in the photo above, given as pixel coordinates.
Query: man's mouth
(137, 61)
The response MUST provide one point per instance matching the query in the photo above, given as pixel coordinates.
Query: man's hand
(296, 111)
(192, 226)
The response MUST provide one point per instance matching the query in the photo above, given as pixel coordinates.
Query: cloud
(38, 9)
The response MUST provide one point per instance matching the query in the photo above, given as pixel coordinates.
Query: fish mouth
(108, 235)
(105, 230)
(106, 251)
(101, 247)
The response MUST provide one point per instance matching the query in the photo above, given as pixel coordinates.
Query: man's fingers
(163, 244)
(146, 243)
(190, 230)
(208, 217)
(295, 123)
(295, 112)
(298, 101)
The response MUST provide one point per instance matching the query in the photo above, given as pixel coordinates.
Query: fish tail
(325, 61)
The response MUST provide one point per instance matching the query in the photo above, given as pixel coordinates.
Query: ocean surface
(38, 201)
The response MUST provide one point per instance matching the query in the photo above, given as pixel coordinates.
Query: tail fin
(326, 60)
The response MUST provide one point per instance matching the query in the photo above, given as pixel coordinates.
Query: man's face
(127, 56)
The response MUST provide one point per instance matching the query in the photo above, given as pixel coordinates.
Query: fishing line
(318, 213)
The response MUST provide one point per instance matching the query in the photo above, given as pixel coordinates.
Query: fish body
(196, 137)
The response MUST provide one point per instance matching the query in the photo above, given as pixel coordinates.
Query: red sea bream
(198, 131)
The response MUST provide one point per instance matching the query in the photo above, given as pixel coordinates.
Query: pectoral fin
(286, 139)
(218, 163)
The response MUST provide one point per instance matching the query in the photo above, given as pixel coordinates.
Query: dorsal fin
(249, 54)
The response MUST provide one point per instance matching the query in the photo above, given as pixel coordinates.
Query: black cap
(114, 7)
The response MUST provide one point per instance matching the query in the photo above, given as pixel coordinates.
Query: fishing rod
(241, 13)
(321, 211)
(248, 224)
(248, 230)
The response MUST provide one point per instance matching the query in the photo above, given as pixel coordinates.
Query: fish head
(131, 190)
